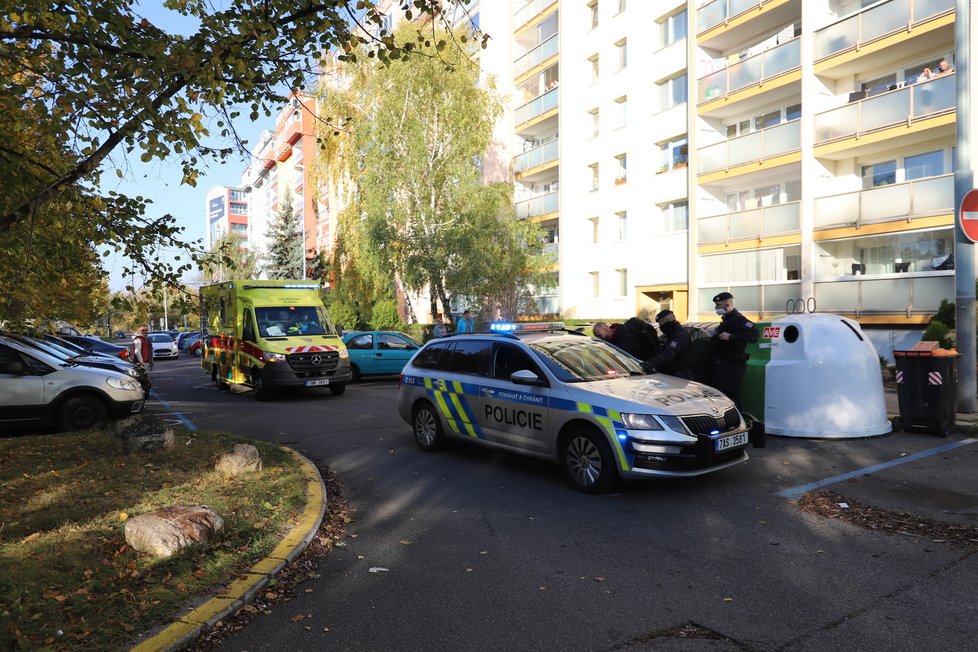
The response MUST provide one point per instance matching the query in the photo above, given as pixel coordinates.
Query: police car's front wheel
(427, 429)
(587, 462)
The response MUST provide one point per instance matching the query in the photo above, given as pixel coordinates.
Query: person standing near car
(439, 330)
(729, 345)
(465, 324)
(142, 349)
(676, 356)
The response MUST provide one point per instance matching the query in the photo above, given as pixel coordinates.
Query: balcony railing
(752, 70)
(751, 224)
(536, 107)
(551, 248)
(897, 107)
(756, 146)
(934, 196)
(537, 55)
(710, 15)
(902, 294)
(765, 298)
(536, 156)
(530, 11)
(537, 206)
(876, 22)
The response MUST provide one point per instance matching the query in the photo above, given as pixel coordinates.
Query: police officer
(729, 343)
(634, 337)
(676, 356)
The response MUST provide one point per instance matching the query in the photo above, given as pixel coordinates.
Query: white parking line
(180, 417)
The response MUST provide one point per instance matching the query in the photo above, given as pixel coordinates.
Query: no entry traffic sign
(969, 215)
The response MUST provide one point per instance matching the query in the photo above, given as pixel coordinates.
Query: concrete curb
(239, 592)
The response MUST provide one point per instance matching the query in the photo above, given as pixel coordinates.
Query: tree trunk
(446, 306)
(433, 302)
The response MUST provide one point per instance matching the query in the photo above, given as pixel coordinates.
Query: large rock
(243, 459)
(167, 530)
(141, 432)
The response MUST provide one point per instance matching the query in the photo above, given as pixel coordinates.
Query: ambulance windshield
(293, 321)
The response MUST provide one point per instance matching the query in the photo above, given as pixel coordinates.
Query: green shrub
(939, 332)
(945, 314)
(343, 316)
(384, 316)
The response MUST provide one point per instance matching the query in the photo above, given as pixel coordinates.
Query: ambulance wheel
(261, 390)
(428, 434)
(337, 389)
(587, 461)
(222, 386)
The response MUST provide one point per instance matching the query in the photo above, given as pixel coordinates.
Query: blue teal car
(378, 353)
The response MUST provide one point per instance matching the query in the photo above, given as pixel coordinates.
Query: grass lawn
(67, 578)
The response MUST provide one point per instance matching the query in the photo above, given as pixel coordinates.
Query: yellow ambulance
(271, 335)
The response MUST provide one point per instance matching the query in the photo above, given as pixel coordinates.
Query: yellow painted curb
(189, 626)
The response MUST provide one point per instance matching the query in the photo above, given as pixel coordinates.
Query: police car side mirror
(525, 377)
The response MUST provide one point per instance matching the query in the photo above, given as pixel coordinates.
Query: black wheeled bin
(927, 387)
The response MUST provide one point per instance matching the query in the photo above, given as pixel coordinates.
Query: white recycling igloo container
(822, 379)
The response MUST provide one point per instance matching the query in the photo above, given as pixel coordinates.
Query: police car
(560, 395)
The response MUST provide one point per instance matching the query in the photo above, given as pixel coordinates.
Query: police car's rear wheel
(587, 462)
(427, 429)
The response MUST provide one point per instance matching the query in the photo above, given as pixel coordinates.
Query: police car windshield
(293, 321)
(587, 359)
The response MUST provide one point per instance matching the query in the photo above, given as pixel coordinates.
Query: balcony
(723, 19)
(536, 157)
(900, 107)
(529, 11)
(904, 294)
(537, 206)
(552, 249)
(893, 17)
(750, 148)
(753, 224)
(536, 107)
(536, 56)
(754, 70)
(900, 201)
(768, 298)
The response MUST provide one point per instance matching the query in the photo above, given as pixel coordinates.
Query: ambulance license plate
(317, 382)
(731, 441)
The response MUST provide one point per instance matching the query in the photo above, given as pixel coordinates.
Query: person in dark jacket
(633, 337)
(729, 345)
(676, 356)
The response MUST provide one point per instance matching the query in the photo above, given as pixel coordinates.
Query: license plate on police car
(731, 441)
(317, 382)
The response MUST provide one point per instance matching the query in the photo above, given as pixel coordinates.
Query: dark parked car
(185, 338)
(98, 346)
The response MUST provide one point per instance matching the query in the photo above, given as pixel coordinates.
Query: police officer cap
(662, 315)
(723, 296)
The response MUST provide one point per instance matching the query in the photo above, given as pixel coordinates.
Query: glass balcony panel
(934, 96)
(713, 157)
(836, 123)
(713, 229)
(537, 206)
(923, 9)
(711, 86)
(748, 298)
(537, 55)
(529, 11)
(551, 248)
(933, 195)
(783, 58)
(711, 15)
(782, 138)
(784, 218)
(929, 290)
(706, 298)
(547, 305)
(885, 18)
(745, 224)
(776, 296)
(884, 110)
(746, 148)
(738, 7)
(886, 294)
(884, 203)
(536, 156)
(536, 107)
(838, 296)
(744, 73)
(837, 38)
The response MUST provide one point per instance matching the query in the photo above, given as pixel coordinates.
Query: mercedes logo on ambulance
(316, 359)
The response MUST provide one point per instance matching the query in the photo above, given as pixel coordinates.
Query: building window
(672, 92)
(595, 122)
(621, 169)
(879, 174)
(927, 251)
(595, 285)
(675, 217)
(594, 67)
(622, 49)
(595, 222)
(622, 282)
(622, 225)
(239, 195)
(782, 264)
(594, 176)
(673, 28)
(621, 111)
(674, 154)
(593, 8)
(929, 164)
(621, 5)
(239, 209)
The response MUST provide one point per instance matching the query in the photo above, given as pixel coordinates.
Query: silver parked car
(572, 399)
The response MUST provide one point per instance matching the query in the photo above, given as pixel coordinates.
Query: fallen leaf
(123, 516)
(405, 542)
(599, 579)
(484, 552)
(728, 599)
(31, 537)
(378, 569)
(270, 595)
(297, 618)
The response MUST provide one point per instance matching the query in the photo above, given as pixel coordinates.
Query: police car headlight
(273, 357)
(344, 353)
(123, 383)
(640, 422)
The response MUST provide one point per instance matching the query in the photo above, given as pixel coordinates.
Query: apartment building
(824, 146)
(226, 211)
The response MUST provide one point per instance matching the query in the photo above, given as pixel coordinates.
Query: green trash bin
(927, 387)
